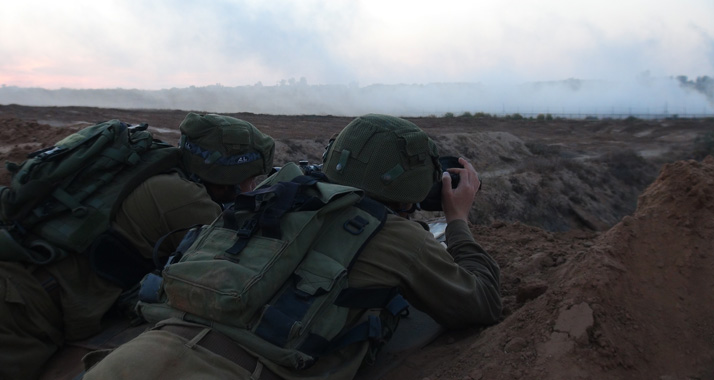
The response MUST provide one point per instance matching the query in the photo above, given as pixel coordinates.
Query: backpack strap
(151, 282)
(269, 222)
(18, 246)
(186, 242)
(372, 328)
(286, 196)
(292, 304)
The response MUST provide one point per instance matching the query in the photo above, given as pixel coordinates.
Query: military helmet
(390, 158)
(224, 150)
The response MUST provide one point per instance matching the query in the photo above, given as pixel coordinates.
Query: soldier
(396, 164)
(44, 306)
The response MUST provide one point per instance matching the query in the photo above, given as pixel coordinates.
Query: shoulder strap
(371, 328)
(314, 278)
(186, 242)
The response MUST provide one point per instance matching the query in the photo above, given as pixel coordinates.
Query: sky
(161, 44)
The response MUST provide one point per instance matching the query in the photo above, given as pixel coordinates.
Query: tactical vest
(271, 272)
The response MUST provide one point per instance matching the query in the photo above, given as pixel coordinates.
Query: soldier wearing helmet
(397, 164)
(390, 158)
(220, 155)
(217, 156)
(223, 153)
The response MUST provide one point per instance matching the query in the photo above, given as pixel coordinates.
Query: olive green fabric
(224, 150)
(251, 291)
(85, 297)
(30, 331)
(61, 199)
(458, 287)
(90, 152)
(160, 205)
(390, 158)
(158, 354)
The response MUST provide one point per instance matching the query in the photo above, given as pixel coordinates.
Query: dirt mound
(21, 137)
(493, 151)
(631, 302)
(634, 302)
(663, 322)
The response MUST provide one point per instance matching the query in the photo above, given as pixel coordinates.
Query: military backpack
(271, 272)
(62, 199)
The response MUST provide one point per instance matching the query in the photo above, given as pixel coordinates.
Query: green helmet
(388, 157)
(224, 150)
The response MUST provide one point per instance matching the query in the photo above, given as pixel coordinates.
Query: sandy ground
(629, 298)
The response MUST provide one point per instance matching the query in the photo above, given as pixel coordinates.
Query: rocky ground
(604, 231)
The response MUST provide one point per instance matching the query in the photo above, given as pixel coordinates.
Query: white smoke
(644, 96)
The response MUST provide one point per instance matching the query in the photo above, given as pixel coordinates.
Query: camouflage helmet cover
(390, 158)
(224, 150)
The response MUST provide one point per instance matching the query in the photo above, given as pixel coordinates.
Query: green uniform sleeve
(468, 254)
(457, 287)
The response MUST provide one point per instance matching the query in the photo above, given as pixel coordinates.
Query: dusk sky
(165, 44)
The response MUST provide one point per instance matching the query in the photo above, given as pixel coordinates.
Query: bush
(540, 149)
(704, 145)
(545, 166)
(516, 185)
(466, 114)
(630, 168)
(584, 172)
(449, 114)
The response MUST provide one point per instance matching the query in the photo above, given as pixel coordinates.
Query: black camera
(432, 202)
(308, 168)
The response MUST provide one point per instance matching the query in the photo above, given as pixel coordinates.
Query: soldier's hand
(457, 202)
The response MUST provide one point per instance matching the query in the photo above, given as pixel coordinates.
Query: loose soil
(604, 231)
